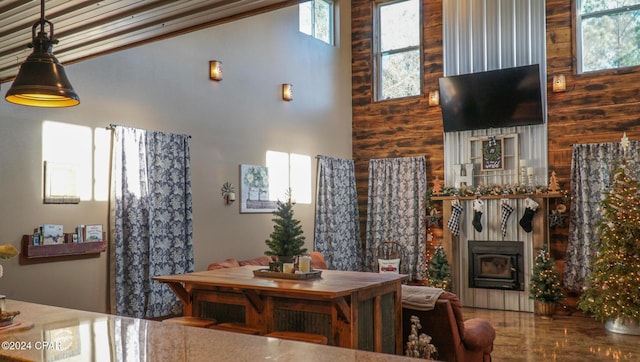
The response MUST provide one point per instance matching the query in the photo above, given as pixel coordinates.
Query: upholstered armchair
(455, 339)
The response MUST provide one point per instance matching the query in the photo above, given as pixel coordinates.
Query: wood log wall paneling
(394, 128)
(597, 107)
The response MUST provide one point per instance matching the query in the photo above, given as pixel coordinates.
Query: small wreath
(492, 151)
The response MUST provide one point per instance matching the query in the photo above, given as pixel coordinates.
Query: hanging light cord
(42, 38)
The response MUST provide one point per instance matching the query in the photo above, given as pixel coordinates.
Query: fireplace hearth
(496, 265)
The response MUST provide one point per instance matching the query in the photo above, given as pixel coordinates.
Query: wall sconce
(215, 70)
(287, 92)
(228, 193)
(559, 83)
(434, 98)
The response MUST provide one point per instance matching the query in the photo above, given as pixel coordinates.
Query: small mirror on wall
(60, 183)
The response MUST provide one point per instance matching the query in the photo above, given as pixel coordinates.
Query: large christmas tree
(286, 239)
(614, 283)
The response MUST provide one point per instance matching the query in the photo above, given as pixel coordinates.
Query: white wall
(164, 86)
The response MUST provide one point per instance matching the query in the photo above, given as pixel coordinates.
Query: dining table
(358, 310)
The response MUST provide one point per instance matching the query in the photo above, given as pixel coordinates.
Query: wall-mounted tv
(498, 98)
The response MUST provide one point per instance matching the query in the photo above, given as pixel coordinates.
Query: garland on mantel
(492, 190)
(496, 190)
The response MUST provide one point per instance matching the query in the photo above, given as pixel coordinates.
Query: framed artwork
(254, 190)
(492, 154)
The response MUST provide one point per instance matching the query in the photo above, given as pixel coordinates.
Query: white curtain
(151, 220)
(396, 210)
(337, 229)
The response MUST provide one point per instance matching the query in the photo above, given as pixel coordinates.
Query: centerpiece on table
(286, 241)
(544, 288)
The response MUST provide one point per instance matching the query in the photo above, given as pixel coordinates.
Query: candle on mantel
(523, 163)
(529, 171)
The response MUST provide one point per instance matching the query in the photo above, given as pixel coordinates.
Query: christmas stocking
(478, 207)
(530, 208)
(454, 221)
(504, 217)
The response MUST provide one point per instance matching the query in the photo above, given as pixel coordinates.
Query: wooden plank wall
(597, 107)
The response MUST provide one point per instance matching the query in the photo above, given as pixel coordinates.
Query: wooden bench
(235, 327)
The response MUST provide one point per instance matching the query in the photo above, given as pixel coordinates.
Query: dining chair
(389, 257)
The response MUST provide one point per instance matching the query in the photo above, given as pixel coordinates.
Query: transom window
(316, 19)
(608, 33)
(398, 49)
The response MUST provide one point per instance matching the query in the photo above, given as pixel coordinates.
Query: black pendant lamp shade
(41, 80)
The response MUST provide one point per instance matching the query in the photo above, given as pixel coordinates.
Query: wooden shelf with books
(68, 249)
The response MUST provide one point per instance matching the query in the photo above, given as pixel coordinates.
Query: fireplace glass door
(496, 265)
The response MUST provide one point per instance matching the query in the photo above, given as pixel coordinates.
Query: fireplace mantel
(456, 246)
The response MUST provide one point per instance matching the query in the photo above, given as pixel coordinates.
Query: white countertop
(60, 334)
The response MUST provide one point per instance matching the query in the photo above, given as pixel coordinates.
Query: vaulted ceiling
(87, 28)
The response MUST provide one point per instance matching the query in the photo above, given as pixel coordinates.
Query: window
(608, 34)
(316, 19)
(289, 171)
(85, 153)
(398, 49)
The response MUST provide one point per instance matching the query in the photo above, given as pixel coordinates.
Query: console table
(352, 309)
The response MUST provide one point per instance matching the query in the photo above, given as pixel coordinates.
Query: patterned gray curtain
(337, 229)
(396, 210)
(151, 220)
(591, 166)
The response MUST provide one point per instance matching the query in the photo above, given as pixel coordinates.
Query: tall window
(316, 19)
(608, 34)
(398, 49)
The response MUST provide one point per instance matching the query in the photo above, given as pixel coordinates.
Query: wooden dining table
(357, 310)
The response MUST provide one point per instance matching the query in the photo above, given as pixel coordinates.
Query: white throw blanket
(420, 298)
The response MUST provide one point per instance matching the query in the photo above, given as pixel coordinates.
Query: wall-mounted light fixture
(215, 70)
(41, 80)
(228, 193)
(434, 98)
(559, 83)
(287, 92)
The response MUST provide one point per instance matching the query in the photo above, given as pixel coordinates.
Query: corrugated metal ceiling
(88, 28)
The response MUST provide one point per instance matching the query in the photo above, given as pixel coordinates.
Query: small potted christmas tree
(439, 270)
(544, 287)
(286, 241)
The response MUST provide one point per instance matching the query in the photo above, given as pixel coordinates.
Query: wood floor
(568, 338)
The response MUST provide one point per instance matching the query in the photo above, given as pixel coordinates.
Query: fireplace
(496, 265)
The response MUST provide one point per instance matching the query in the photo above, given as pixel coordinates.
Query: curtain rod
(112, 126)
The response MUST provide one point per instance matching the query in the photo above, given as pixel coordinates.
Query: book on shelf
(93, 233)
(52, 234)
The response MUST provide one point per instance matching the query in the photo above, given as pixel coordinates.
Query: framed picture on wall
(492, 154)
(254, 190)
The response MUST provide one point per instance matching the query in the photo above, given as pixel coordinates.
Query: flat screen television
(498, 98)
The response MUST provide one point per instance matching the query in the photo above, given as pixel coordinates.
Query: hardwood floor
(568, 338)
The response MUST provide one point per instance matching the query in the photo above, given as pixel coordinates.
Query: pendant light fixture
(41, 80)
